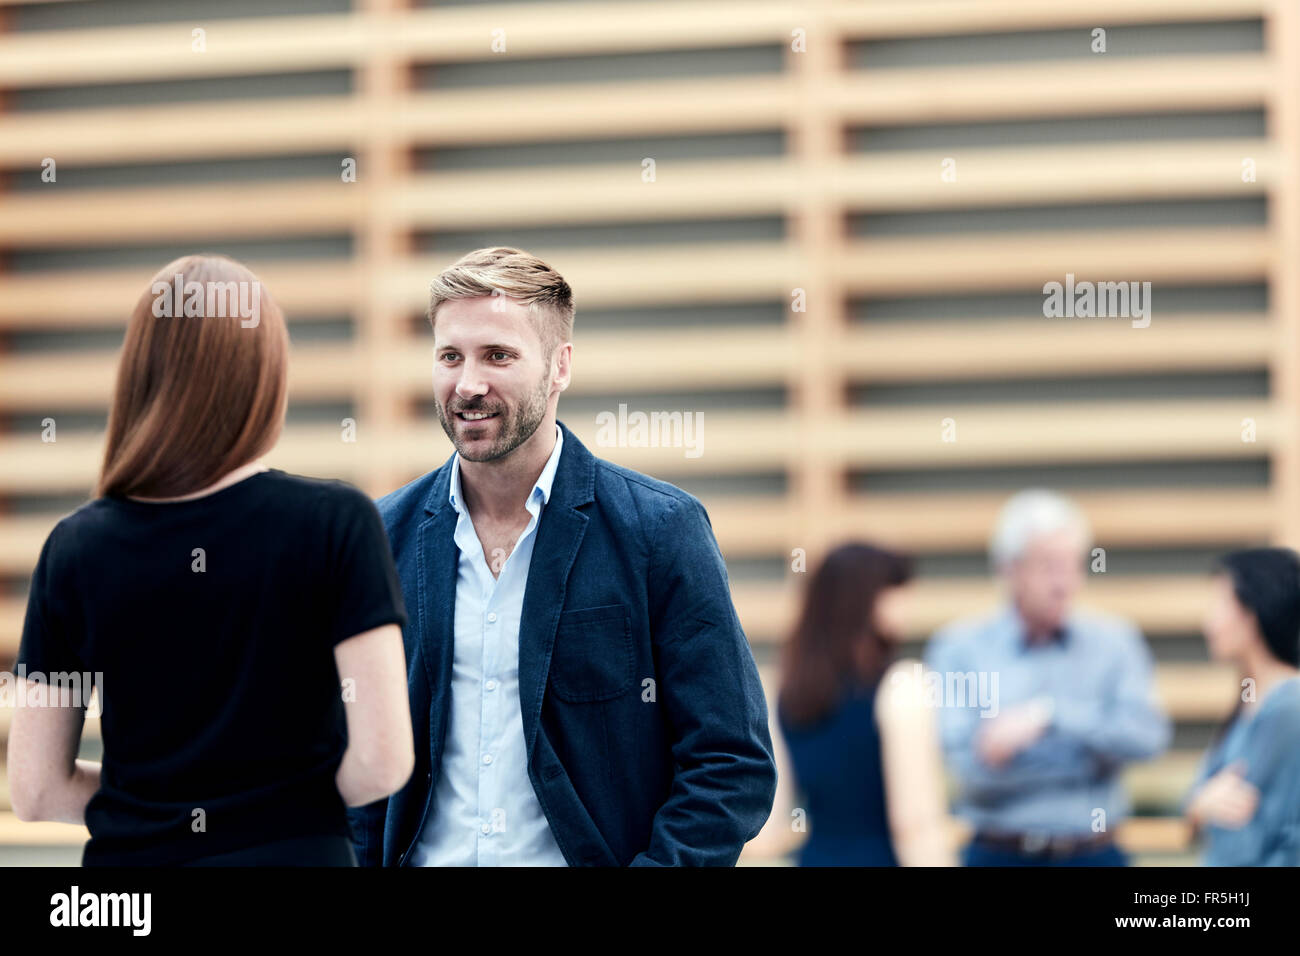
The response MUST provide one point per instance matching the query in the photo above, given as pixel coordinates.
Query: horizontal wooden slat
(1074, 173)
(1204, 692)
(1066, 432)
(1034, 346)
(908, 18)
(15, 832)
(291, 44)
(611, 193)
(104, 298)
(330, 123)
(1158, 604)
(266, 44)
(1057, 88)
(164, 50)
(1165, 781)
(507, 114)
(77, 217)
(1156, 835)
(66, 380)
(963, 521)
(1012, 260)
(156, 134)
(894, 181)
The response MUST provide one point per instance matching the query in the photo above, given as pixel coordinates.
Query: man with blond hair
(581, 690)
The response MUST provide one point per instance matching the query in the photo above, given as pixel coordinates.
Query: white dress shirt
(485, 812)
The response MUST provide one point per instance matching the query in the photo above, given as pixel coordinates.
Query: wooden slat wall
(818, 439)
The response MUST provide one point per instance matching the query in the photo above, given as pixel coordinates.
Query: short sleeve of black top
(47, 642)
(209, 627)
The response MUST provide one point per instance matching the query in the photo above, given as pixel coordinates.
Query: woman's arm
(915, 797)
(1226, 800)
(46, 780)
(381, 748)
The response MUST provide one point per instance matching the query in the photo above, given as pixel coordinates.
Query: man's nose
(470, 384)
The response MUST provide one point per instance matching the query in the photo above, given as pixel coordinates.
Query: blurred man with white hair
(1066, 699)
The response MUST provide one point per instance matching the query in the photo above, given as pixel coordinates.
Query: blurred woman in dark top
(1246, 798)
(243, 624)
(859, 733)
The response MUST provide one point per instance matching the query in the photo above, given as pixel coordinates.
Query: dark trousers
(300, 851)
(979, 855)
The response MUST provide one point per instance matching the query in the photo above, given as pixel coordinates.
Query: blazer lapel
(559, 535)
(437, 570)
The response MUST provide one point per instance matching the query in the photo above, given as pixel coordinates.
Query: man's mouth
(474, 417)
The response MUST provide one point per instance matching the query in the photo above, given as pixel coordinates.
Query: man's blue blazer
(644, 719)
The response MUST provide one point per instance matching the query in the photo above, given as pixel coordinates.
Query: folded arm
(1129, 723)
(1049, 761)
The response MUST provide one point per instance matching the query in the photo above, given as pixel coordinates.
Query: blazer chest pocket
(593, 658)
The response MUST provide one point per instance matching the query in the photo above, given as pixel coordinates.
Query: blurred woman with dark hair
(218, 602)
(1246, 800)
(858, 729)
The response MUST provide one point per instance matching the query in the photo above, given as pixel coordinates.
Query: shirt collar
(1020, 634)
(1059, 636)
(542, 486)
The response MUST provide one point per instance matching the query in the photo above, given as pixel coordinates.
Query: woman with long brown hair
(220, 604)
(856, 723)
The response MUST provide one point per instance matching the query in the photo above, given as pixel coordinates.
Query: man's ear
(562, 366)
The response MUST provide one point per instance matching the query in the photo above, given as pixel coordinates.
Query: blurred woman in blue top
(860, 735)
(1246, 799)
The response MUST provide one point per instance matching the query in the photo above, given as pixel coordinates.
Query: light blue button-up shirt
(1099, 677)
(485, 812)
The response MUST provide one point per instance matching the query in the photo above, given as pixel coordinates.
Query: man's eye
(502, 358)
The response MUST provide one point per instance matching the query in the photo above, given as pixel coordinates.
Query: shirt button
(485, 828)
(491, 685)
(487, 758)
(492, 616)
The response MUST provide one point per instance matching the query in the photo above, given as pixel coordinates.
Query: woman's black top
(839, 772)
(210, 626)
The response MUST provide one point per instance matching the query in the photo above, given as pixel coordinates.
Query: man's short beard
(516, 427)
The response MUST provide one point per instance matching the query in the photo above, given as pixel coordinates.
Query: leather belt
(1042, 843)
